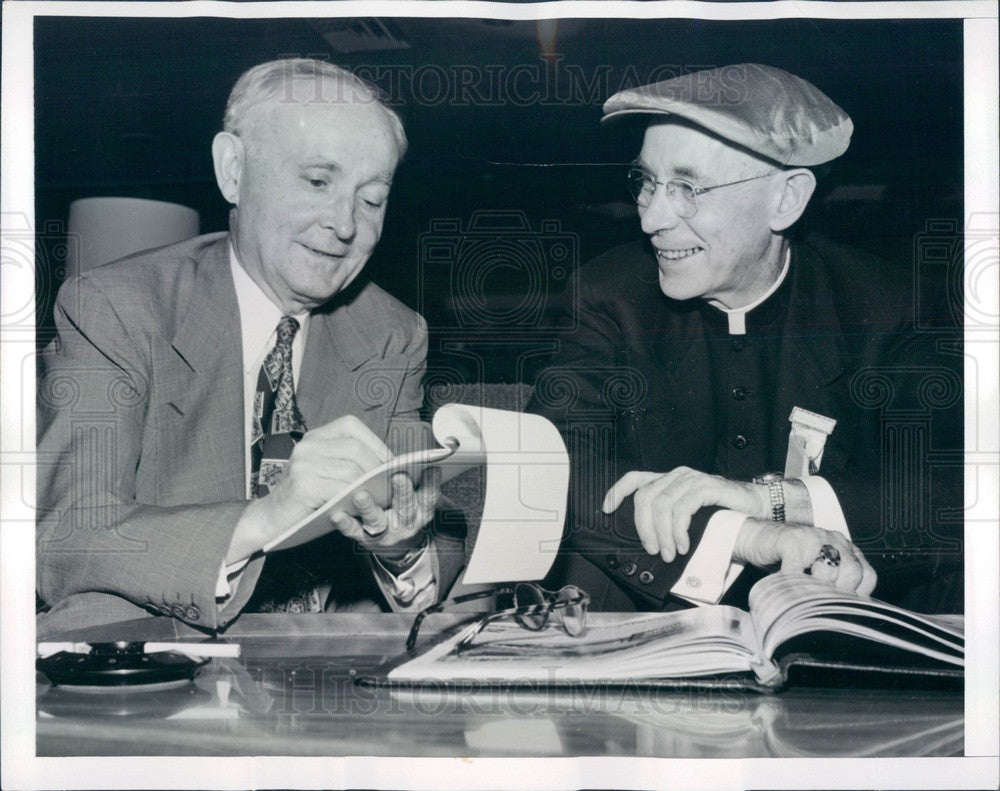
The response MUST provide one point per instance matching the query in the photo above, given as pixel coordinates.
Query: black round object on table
(116, 666)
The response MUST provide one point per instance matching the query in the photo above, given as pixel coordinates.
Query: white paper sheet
(527, 480)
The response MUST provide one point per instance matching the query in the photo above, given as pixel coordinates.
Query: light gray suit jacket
(141, 438)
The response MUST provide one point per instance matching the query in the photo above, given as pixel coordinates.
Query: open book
(793, 619)
(527, 479)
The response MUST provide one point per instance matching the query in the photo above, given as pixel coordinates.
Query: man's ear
(796, 188)
(228, 155)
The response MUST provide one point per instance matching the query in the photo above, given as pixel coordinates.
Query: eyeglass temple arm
(504, 591)
(411, 639)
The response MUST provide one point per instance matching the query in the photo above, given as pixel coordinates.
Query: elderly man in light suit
(152, 500)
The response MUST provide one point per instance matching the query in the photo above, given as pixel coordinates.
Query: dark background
(129, 107)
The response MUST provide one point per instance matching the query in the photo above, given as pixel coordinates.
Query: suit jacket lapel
(204, 375)
(814, 341)
(336, 348)
(814, 354)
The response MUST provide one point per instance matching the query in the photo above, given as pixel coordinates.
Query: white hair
(267, 80)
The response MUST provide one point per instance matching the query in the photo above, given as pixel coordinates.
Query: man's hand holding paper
(387, 504)
(325, 462)
(394, 531)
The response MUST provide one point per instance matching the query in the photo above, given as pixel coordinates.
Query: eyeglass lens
(574, 611)
(535, 614)
(569, 602)
(642, 185)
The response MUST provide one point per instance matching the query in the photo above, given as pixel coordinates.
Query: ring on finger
(829, 555)
(374, 531)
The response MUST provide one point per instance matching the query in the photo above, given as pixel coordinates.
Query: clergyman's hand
(826, 554)
(665, 503)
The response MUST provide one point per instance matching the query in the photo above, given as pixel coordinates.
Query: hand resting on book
(665, 503)
(797, 547)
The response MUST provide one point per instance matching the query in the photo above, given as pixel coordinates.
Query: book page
(698, 642)
(786, 605)
(527, 480)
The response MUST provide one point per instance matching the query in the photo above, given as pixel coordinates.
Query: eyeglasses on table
(533, 605)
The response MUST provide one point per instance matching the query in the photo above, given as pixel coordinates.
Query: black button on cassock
(646, 577)
(629, 569)
(739, 393)
(740, 442)
(737, 344)
(612, 561)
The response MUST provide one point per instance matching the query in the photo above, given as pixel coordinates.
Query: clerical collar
(738, 316)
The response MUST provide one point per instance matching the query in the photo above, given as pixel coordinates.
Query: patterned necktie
(277, 422)
(287, 584)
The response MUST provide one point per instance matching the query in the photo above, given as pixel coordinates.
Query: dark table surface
(292, 691)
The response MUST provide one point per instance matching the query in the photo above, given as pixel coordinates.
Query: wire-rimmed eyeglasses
(533, 605)
(682, 193)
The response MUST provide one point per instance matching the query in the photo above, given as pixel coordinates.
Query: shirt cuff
(413, 589)
(710, 571)
(228, 579)
(825, 505)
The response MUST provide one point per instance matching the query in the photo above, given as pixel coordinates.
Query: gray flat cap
(764, 109)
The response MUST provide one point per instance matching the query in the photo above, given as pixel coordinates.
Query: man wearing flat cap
(734, 382)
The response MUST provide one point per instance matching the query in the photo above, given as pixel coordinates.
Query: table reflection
(297, 694)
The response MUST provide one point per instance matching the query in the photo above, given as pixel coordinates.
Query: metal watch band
(777, 493)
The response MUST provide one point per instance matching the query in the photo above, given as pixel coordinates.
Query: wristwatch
(773, 481)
